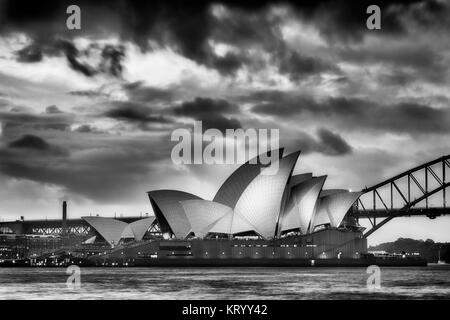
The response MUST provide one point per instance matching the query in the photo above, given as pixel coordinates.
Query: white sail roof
(255, 198)
(301, 206)
(232, 189)
(140, 227)
(110, 229)
(299, 178)
(332, 208)
(232, 223)
(127, 233)
(261, 202)
(113, 230)
(203, 214)
(168, 209)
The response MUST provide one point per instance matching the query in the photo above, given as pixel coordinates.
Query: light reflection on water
(432, 282)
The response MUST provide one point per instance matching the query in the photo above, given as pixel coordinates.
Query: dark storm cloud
(214, 114)
(137, 91)
(30, 54)
(60, 46)
(87, 93)
(407, 61)
(430, 12)
(111, 56)
(298, 66)
(220, 122)
(184, 24)
(16, 122)
(353, 113)
(136, 113)
(112, 59)
(52, 109)
(229, 64)
(110, 171)
(86, 128)
(327, 143)
(333, 143)
(201, 106)
(188, 25)
(29, 141)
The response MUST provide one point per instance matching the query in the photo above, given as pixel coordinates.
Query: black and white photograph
(224, 150)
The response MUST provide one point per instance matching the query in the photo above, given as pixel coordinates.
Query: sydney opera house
(254, 218)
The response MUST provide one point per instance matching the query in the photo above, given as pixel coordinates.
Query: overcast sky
(86, 115)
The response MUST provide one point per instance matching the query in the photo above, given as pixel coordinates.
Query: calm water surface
(432, 282)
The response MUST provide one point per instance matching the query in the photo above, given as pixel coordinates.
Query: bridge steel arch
(421, 178)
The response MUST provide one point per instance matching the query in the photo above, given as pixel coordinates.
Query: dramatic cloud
(187, 27)
(15, 122)
(298, 67)
(136, 113)
(334, 144)
(213, 113)
(30, 54)
(229, 64)
(327, 143)
(405, 117)
(85, 128)
(86, 172)
(138, 91)
(30, 142)
(52, 109)
(110, 56)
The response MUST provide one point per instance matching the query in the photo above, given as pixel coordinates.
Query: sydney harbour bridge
(420, 191)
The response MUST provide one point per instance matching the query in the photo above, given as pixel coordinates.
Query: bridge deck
(51, 226)
(381, 213)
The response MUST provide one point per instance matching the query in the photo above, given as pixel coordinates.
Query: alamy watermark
(374, 280)
(74, 280)
(235, 146)
(73, 21)
(373, 22)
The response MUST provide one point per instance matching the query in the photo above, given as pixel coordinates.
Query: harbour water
(432, 282)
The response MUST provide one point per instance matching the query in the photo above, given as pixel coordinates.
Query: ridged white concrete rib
(168, 205)
(232, 189)
(260, 203)
(320, 217)
(290, 218)
(302, 202)
(299, 178)
(223, 225)
(127, 233)
(203, 214)
(332, 208)
(307, 199)
(141, 226)
(232, 223)
(110, 229)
